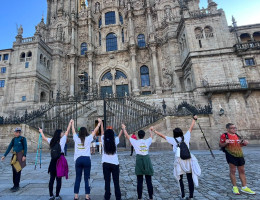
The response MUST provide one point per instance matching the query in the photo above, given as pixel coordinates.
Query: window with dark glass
(122, 90)
(145, 79)
(107, 76)
(250, 61)
(141, 40)
(120, 74)
(100, 39)
(123, 36)
(110, 18)
(121, 19)
(146, 93)
(6, 56)
(3, 70)
(2, 83)
(83, 48)
(100, 23)
(0, 57)
(106, 90)
(111, 42)
(23, 98)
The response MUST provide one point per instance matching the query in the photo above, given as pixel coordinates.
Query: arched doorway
(114, 82)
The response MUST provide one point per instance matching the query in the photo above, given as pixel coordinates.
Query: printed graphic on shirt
(234, 147)
(81, 147)
(143, 147)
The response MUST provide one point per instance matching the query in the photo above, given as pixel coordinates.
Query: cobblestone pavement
(214, 181)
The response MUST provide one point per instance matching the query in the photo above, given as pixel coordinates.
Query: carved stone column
(90, 69)
(72, 76)
(155, 69)
(134, 78)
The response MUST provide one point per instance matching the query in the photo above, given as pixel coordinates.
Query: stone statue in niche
(168, 14)
(20, 30)
(167, 78)
(122, 3)
(97, 7)
(59, 33)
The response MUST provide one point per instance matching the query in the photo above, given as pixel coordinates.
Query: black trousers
(191, 185)
(140, 180)
(51, 183)
(109, 169)
(132, 150)
(16, 177)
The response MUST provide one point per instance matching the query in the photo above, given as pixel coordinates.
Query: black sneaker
(15, 189)
(52, 198)
(58, 198)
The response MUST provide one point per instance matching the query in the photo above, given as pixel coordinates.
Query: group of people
(185, 163)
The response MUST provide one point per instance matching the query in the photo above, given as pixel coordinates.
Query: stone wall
(31, 134)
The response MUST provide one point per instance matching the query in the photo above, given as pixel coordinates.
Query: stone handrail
(248, 45)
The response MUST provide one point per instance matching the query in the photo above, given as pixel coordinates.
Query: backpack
(184, 150)
(22, 141)
(55, 151)
(226, 135)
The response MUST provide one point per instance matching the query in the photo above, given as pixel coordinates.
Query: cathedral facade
(154, 50)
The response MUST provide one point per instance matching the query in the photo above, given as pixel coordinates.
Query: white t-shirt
(80, 149)
(63, 141)
(172, 141)
(141, 146)
(113, 159)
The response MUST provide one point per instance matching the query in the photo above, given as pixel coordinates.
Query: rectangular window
(6, 56)
(3, 70)
(110, 18)
(200, 43)
(27, 65)
(146, 93)
(243, 82)
(0, 57)
(250, 61)
(2, 83)
(23, 98)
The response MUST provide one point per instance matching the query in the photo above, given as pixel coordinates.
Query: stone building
(154, 50)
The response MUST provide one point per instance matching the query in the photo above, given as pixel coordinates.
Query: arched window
(83, 48)
(29, 54)
(43, 97)
(100, 23)
(141, 40)
(208, 31)
(145, 79)
(121, 18)
(100, 39)
(119, 75)
(22, 57)
(245, 37)
(107, 76)
(41, 59)
(111, 42)
(48, 64)
(110, 17)
(198, 33)
(123, 36)
(256, 36)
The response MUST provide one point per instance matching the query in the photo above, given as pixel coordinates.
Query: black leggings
(191, 185)
(140, 180)
(58, 186)
(132, 150)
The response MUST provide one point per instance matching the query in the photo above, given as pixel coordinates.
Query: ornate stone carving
(167, 78)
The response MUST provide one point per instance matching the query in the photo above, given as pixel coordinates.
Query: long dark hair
(109, 142)
(56, 137)
(82, 134)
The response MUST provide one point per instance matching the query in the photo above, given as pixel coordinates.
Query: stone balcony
(231, 87)
(255, 45)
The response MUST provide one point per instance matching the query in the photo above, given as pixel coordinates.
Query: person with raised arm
(185, 162)
(82, 157)
(110, 161)
(143, 166)
(57, 144)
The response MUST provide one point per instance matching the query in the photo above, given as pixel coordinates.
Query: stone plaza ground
(214, 181)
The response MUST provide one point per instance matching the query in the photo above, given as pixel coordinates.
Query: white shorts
(93, 144)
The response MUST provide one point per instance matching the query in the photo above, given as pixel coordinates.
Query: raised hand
(195, 117)
(2, 159)
(99, 120)
(123, 127)
(152, 129)
(40, 130)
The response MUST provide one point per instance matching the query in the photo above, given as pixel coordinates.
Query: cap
(17, 129)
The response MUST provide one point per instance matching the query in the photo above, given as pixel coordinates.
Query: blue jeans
(82, 163)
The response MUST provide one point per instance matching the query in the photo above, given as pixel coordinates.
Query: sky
(29, 14)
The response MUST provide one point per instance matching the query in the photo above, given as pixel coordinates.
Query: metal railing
(247, 46)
